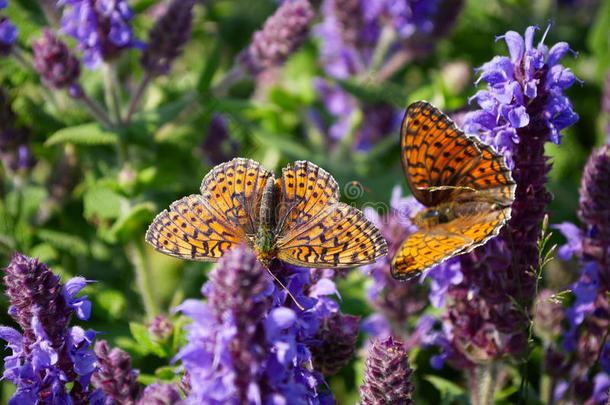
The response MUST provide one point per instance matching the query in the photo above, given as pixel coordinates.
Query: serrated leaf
(64, 241)
(141, 335)
(85, 134)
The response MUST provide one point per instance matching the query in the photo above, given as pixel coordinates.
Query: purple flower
(171, 31)
(522, 107)
(248, 343)
(101, 28)
(49, 354)
(161, 328)
(336, 341)
(393, 299)
(524, 95)
(114, 376)
(52, 59)
(283, 34)
(574, 236)
(8, 35)
(160, 394)
(218, 146)
(387, 374)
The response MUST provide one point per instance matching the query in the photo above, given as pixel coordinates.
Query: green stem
(486, 384)
(387, 36)
(234, 75)
(138, 96)
(137, 256)
(96, 111)
(50, 11)
(112, 90)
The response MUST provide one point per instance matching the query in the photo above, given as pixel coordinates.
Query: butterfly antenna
(357, 184)
(286, 289)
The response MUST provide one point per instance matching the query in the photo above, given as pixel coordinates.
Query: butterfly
(464, 183)
(297, 218)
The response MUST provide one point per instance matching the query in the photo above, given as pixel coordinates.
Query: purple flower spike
(160, 394)
(521, 108)
(247, 344)
(115, 376)
(57, 67)
(101, 28)
(49, 355)
(283, 34)
(337, 336)
(167, 37)
(387, 376)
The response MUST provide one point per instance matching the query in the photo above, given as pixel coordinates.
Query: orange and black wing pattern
(428, 247)
(436, 153)
(314, 229)
(204, 227)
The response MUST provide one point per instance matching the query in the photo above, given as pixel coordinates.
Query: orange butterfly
(466, 186)
(297, 218)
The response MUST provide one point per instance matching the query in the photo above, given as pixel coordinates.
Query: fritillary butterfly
(465, 185)
(297, 218)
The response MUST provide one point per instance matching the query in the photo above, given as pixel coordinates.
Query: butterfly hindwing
(337, 236)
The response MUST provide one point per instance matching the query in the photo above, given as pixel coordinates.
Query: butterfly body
(465, 185)
(297, 218)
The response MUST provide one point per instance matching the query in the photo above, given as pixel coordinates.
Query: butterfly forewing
(233, 191)
(306, 190)
(190, 230)
(436, 153)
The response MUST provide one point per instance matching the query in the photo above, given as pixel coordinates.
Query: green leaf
(142, 337)
(102, 203)
(598, 39)
(166, 373)
(210, 67)
(112, 302)
(284, 144)
(449, 390)
(386, 92)
(64, 241)
(133, 222)
(85, 134)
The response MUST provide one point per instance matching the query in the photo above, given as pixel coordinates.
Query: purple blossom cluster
(49, 355)
(367, 39)
(248, 343)
(282, 34)
(522, 107)
(57, 66)
(8, 31)
(393, 300)
(101, 28)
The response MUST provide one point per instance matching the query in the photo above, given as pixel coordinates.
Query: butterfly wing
(338, 236)
(436, 153)
(430, 246)
(204, 227)
(314, 228)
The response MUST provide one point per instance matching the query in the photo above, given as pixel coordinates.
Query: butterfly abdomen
(265, 238)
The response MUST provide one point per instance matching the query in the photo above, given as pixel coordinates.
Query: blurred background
(80, 193)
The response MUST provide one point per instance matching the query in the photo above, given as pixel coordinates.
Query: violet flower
(249, 343)
(387, 374)
(160, 394)
(49, 356)
(171, 31)
(392, 299)
(57, 66)
(114, 376)
(101, 28)
(218, 147)
(8, 32)
(282, 34)
(522, 107)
